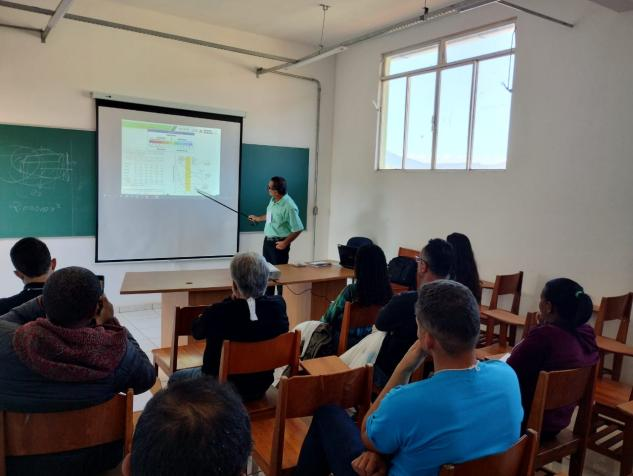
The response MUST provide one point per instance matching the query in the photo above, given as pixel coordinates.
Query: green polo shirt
(282, 217)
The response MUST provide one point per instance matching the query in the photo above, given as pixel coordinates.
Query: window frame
(437, 69)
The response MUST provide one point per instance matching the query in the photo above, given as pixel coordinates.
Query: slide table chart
(308, 291)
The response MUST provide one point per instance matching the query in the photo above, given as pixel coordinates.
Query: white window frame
(440, 66)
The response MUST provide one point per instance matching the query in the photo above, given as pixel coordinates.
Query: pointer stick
(204, 194)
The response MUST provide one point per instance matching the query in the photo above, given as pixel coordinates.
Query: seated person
(466, 410)
(247, 316)
(370, 287)
(75, 357)
(33, 265)
(397, 318)
(465, 267)
(196, 428)
(563, 340)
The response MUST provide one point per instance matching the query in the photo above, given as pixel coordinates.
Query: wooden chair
(277, 441)
(503, 346)
(27, 434)
(517, 461)
(614, 308)
(407, 253)
(559, 389)
(355, 315)
(612, 423)
(251, 357)
(167, 358)
(506, 284)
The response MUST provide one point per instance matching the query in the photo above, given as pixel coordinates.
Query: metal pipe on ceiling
(144, 31)
(61, 10)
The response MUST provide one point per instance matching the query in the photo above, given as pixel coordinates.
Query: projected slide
(169, 159)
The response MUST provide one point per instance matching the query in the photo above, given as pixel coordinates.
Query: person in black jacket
(65, 350)
(247, 316)
(397, 318)
(33, 265)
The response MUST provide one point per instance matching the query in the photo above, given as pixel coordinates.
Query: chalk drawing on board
(36, 169)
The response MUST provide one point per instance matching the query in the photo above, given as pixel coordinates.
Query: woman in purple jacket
(563, 340)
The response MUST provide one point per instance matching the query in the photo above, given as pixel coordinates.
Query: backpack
(403, 270)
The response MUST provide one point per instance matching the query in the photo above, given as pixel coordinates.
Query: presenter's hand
(370, 464)
(281, 245)
(253, 218)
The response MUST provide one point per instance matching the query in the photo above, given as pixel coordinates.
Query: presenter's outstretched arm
(257, 218)
(283, 244)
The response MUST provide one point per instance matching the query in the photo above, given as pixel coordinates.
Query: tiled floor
(145, 327)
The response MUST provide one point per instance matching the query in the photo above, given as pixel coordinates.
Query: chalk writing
(36, 168)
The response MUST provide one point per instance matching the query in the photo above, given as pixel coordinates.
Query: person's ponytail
(584, 308)
(573, 306)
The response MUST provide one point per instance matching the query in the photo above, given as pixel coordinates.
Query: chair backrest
(25, 434)
(183, 320)
(562, 388)
(251, 357)
(507, 284)
(358, 241)
(531, 321)
(301, 396)
(355, 315)
(516, 461)
(612, 308)
(408, 252)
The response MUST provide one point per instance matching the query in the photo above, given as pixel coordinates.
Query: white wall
(563, 206)
(49, 85)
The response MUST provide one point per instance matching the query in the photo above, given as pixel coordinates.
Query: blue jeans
(332, 443)
(185, 374)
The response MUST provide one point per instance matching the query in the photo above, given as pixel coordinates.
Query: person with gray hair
(248, 315)
(466, 410)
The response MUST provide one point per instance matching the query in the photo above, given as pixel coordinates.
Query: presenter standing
(283, 224)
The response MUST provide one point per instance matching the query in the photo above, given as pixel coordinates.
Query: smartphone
(101, 279)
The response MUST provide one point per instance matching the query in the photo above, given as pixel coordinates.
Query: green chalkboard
(47, 182)
(259, 163)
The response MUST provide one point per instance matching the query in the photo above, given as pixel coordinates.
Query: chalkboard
(259, 163)
(47, 182)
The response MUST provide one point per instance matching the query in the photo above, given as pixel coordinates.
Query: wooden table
(324, 365)
(486, 284)
(308, 291)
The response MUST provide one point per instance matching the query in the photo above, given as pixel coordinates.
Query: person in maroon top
(563, 340)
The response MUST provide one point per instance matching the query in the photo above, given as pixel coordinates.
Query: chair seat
(264, 407)
(295, 433)
(611, 393)
(189, 356)
(398, 288)
(556, 448)
(495, 350)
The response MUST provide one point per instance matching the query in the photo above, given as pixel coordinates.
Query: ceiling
(294, 20)
(617, 5)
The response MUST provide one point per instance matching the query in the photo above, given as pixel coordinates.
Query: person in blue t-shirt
(465, 411)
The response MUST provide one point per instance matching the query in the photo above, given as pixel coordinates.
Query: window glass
(454, 118)
(393, 127)
(492, 114)
(412, 60)
(420, 126)
(482, 43)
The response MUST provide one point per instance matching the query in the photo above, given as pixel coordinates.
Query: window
(446, 104)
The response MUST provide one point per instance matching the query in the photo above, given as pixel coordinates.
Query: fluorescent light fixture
(319, 57)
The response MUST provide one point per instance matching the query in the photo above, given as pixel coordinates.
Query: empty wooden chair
(556, 390)
(28, 434)
(503, 346)
(277, 441)
(616, 308)
(251, 357)
(171, 359)
(516, 461)
(507, 284)
(355, 315)
(612, 423)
